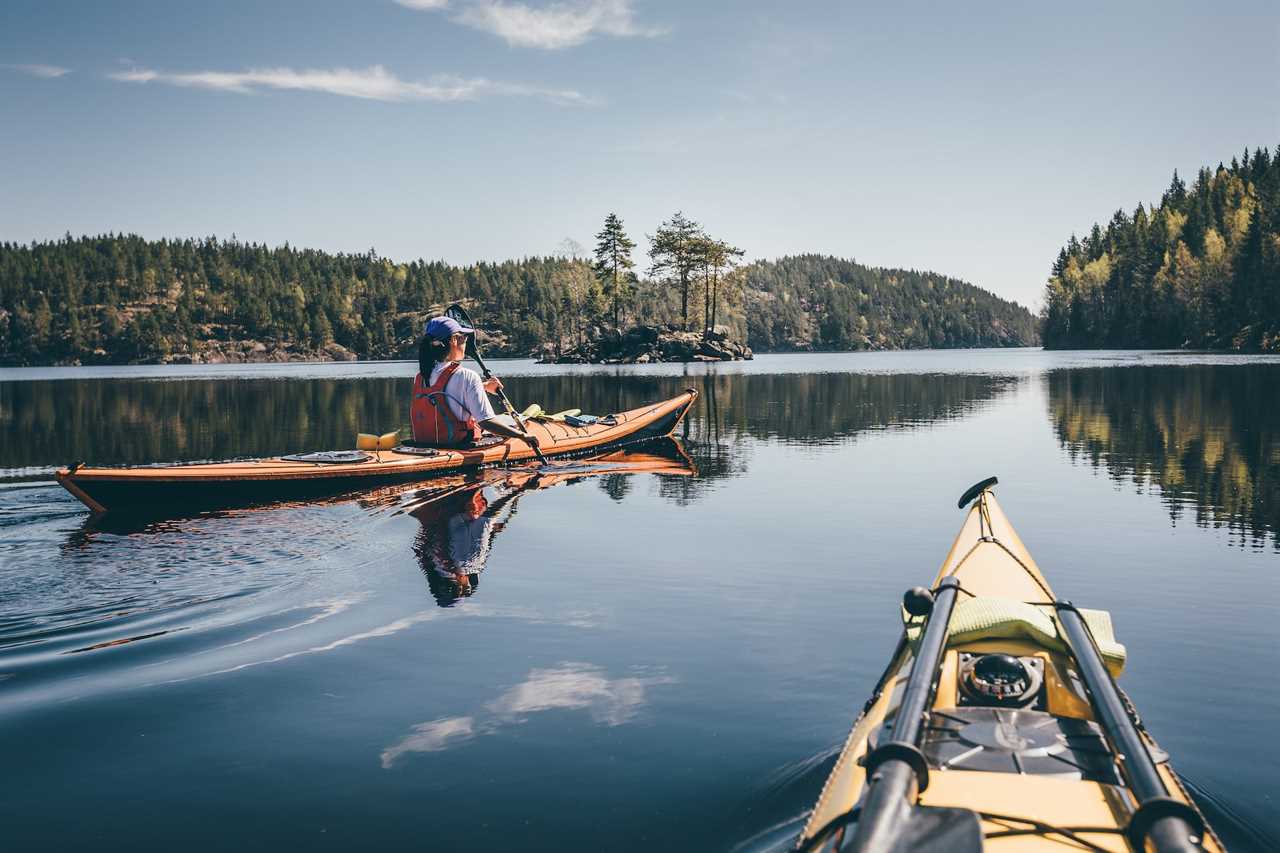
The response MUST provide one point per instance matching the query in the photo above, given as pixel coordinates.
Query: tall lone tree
(715, 258)
(613, 262)
(674, 254)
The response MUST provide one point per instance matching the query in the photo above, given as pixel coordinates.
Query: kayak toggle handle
(975, 490)
(918, 601)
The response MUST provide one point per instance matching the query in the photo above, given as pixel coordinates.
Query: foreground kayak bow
(997, 725)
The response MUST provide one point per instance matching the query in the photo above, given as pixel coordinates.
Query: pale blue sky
(966, 138)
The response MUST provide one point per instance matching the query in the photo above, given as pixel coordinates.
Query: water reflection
(1208, 437)
(461, 517)
(44, 424)
(567, 686)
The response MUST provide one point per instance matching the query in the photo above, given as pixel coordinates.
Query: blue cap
(442, 328)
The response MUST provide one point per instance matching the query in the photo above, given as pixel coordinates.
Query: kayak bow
(180, 488)
(998, 726)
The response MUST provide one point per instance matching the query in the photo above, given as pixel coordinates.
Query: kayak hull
(174, 489)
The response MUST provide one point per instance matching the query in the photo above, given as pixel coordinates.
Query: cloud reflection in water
(567, 686)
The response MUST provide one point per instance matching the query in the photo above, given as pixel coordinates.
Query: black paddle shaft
(896, 769)
(1172, 825)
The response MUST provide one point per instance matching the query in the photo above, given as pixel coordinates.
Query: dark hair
(430, 353)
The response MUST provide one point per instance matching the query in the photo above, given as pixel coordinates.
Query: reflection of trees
(1208, 436)
(111, 422)
(813, 408)
(616, 486)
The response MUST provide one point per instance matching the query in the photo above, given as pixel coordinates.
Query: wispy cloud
(49, 72)
(551, 26)
(373, 83)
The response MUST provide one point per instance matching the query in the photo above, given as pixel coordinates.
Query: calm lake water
(629, 660)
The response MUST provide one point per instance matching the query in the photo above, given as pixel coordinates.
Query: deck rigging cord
(1032, 827)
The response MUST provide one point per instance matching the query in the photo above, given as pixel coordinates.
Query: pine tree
(720, 258)
(674, 254)
(1176, 193)
(613, 263)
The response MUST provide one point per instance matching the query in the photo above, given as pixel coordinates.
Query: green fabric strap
(975, 619)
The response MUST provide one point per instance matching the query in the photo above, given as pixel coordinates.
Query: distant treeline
(122, 298)
(821, 302)
(1200, 270)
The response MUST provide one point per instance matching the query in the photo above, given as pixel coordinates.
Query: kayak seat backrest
(987, 618)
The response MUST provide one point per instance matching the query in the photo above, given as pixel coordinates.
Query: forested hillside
(126, 299)
(1199, 270)
(821, 302)
(119, 298)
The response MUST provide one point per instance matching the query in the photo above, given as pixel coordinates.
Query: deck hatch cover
(1004, 740)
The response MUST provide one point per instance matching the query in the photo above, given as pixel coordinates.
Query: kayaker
(450, 406)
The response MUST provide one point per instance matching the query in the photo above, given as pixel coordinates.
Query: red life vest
(433, 420)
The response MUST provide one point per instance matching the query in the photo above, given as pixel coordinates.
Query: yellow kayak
(998, 725)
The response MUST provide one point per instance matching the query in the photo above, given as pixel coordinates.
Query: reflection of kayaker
(457, 533)
(459, 521)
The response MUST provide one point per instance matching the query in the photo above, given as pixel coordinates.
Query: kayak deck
(182, 487)
(1039, 770)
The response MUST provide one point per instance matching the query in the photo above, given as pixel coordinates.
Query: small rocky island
(646, 344)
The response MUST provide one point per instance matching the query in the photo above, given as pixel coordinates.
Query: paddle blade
(457, 312)
(369, 441)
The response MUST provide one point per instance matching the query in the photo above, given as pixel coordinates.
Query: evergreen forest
(125, 299)
(815, 302)
(1199, 270)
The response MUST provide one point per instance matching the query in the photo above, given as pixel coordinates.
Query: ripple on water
(87, 605)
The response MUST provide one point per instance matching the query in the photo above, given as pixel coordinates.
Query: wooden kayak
(998, 725)
(178, 488)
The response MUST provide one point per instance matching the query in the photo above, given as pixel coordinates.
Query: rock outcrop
(646, 344)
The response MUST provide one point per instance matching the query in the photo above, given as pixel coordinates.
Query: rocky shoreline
(648, 344)
(638, 345)
(259, 352)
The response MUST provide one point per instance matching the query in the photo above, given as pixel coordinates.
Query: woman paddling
(450, 405)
